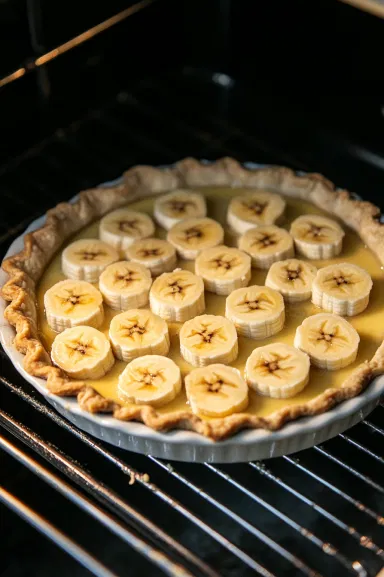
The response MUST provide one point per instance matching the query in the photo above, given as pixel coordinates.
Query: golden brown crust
(25, 268)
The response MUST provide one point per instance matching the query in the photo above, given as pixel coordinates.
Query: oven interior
(87, 91)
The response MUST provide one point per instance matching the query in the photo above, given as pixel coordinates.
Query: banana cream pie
(208, 297)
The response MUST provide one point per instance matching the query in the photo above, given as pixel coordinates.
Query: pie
(204, 296)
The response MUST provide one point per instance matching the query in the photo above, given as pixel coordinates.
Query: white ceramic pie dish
(186, 445)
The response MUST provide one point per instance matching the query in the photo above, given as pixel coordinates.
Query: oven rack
(319, 512)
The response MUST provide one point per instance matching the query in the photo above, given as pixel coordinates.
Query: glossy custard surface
(369, 324)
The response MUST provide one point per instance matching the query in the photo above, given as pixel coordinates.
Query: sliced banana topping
(86, 259)
(125, 285)
(317, 236)
(138, 332)
(150, 380)
(208, 339)
(157, 255)
(342, 289)
(256, 208)
(277, 370)
(83, 353)
(177, 296)
(190, 237)
(293, 278)
(223, 269)
(257, 311)
(266, 245)
(72, 303)
(122, 227)
(178, 205)
(330, 341)
(216, 391)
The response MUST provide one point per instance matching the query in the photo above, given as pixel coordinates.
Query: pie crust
(25, 269)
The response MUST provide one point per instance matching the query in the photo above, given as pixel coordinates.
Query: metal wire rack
(320, 512)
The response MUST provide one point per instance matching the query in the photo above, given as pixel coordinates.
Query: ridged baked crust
(25, 269)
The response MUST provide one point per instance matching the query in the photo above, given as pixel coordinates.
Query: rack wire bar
(356, 503)
(352, 470)
(74, 42)
(325, 547)
(123, 467)
(103, 494)
(156, 556)
(358, 445)
(373, 426)
(56, 536)
(295, 561)
(348, 529)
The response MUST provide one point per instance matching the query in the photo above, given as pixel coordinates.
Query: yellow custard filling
(369, 324)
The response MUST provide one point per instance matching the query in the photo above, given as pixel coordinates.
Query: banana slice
(177, 296)
(208, 339)
(150, 380)
(86, 259)
(122, 227)
(125, 285)
(157, 255)
(342, 289)
(266, 245)
(177, 206)
(293, 278)
(223, 269)
(136, 333)
(257, 311)
(277, 370)
(83, 353)
(317, 236)
(190, 237)
(71, 303)
(216, 391)
(330, 341)
(256, 208)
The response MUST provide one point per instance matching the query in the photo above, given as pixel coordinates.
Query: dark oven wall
(301, 76)
(66, 88)
(307, 79)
